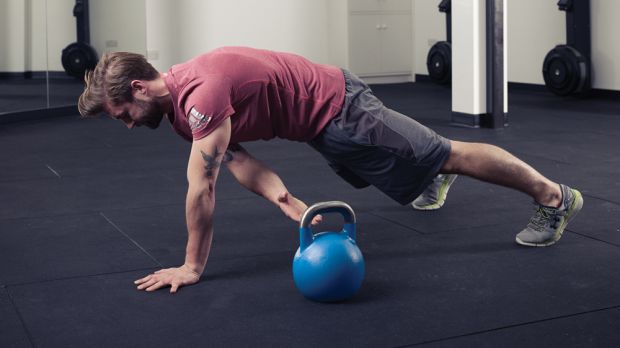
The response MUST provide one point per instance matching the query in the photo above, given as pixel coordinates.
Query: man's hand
(293, 207)
(175, 277)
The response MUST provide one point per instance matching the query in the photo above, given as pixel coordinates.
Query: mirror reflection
(45, 46)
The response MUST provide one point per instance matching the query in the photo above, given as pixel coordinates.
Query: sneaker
(435, 194)
(548, 223)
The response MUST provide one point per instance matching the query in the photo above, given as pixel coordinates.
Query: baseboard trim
(460, 119)
(520, 86)
(34, 75)
(378, 80)
(422, 78)
(37, 114)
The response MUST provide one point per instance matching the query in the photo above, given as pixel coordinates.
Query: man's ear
(138, 86)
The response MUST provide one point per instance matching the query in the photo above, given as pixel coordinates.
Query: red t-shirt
(266, 94)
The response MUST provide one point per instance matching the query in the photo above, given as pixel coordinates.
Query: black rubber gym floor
(88, 206)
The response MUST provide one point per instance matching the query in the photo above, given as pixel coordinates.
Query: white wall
(338, 32)
(118, 25)
(429, 27)
(298, 26)
(23, 36)
(162, 40)
(12, 35)
(605, 44)
(534, 28)
(36, 36)
(61, 31)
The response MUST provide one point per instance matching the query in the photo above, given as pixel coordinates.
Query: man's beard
(151, 115)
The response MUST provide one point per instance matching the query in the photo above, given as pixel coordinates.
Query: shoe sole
(574, 209)
(443, 193)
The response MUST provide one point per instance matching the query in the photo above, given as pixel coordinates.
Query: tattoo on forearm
(211, 162)
(229, 155)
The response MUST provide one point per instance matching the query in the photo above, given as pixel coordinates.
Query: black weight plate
(558, 72)
(565, 71)
(77, 58)
(439, 62)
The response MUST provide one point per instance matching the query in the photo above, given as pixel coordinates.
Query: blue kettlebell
(328, 266)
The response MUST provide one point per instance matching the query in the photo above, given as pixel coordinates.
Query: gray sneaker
(548, 223)
(435, 194)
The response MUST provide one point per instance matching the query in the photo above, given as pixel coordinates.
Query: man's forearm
(259, 179)
(199, 216)
(267, 184)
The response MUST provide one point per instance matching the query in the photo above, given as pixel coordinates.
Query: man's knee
(453, 163)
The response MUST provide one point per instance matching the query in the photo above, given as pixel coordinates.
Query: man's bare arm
(258, 178)
(203, 168)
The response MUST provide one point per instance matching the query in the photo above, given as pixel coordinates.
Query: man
(235, 94)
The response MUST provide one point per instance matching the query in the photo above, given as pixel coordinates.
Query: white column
(469, 63)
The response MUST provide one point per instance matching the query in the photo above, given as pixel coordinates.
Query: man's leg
(556, 204)
(495, 165)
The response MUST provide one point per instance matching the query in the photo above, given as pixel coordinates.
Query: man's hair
(111, 81)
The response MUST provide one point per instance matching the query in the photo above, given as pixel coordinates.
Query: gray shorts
(369, 144)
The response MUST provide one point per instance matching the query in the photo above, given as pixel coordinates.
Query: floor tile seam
(571, 114)
(76, 214)
(169, 205)
(259, 153)
(206, 272)
(430, 234)
(20, 317)
(523, 153)
(86, 212)
(60, 279)
(512, 326)
(593, 238)
(589, 195)
(442, 231)
(56, 175)
(496, 224)
(48, 177)
(394, 222)
(126, 145)
(550, 112)
(140, 247)
(242, 257)
(96, 212)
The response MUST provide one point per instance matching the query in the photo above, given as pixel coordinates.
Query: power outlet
(111, 43)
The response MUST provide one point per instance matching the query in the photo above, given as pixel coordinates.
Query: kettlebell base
(331, 269)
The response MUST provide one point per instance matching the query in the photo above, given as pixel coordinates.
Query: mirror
(23, 65)
(113, 25)
(64, 89)
(33, 34)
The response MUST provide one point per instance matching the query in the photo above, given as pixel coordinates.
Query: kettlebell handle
(343, 208)
(327, 207)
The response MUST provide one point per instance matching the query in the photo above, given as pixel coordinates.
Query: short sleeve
(207, 103)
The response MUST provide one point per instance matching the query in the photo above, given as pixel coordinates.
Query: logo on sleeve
(198, 121)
